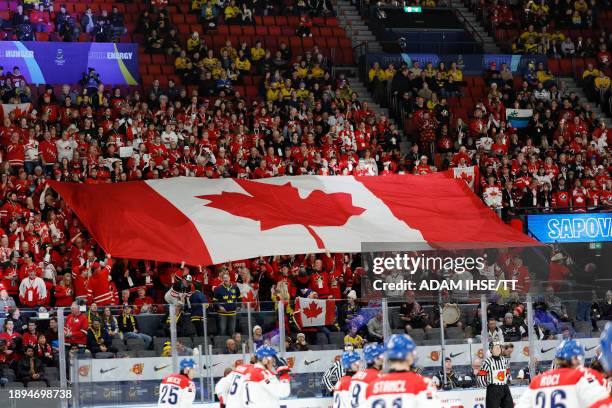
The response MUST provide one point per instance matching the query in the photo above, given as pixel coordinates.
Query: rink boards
(156, 368)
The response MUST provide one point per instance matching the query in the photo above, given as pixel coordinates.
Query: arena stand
(39, 228)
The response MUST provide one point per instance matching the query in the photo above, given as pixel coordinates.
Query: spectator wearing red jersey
(64, 291)
(30, 337)
(48, 152)
(99, 282)
(29, 265)
(32, 290)
(75, 327)
(578, 197)
(519, 272)
(143, 303)
(12, 339)
(561, 197)
(422, 167)
(604, 58)
(15, 152)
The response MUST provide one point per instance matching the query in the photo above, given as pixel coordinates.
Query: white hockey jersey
(359, 384)
(564, 387)
(231, 387)
(401, 389)
(342, 398)
(263, 389)
(176, 391)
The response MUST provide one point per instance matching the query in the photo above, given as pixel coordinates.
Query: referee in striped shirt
(331, 377)
(494, 375)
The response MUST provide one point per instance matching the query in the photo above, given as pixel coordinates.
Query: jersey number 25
(168, 394)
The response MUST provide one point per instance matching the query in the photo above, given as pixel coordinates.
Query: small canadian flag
(468, 174)
(315, 312)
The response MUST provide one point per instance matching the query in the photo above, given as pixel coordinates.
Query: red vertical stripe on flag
(134, 221)
(435, 205)
(330, 313)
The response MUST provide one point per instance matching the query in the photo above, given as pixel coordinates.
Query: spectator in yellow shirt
(581, 6)
(529, 39)
(273, 93)
(194, 42)
(389, 73)
(317, 71)
(376, 73)
(232, 13)
(182, 62)
(231, 51)
(455, 73)
(602, 85)
(242, 63)
(543, 75)
(430, 71)
(590, 71)
(302, 93)
(257, 52)
(301, 70)
(196, 5)
(210, 61)
(354, 338)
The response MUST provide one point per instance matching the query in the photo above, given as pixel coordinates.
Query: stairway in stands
(572, 86)
(358, 31)
(489, 45)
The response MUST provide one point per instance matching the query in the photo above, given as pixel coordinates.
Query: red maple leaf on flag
(313, 310)
(466, 177)
(275, 206)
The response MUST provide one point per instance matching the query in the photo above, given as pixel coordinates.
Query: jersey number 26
(557, 399)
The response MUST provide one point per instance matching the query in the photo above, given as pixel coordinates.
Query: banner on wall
(563, 228)
(313, 361)
(470, 64)
(65, 62)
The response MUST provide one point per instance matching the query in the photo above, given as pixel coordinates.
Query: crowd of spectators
(306, 121)
(560, 160)
(559, 28)
(30, 18)
(242, 12)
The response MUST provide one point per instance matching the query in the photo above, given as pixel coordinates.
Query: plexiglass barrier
(117, 356)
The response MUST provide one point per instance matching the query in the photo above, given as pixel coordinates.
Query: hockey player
(263, 387)
(350, 362)
(568, 385)
(231, 387)
(178, 390)
(222, 387)
(605, 342)
(373, 354)
(401, 387)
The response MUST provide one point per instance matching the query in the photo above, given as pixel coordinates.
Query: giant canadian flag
(202, 221)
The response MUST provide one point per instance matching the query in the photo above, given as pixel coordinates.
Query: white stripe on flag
(376, 224)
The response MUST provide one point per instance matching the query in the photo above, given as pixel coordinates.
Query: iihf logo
(59, 57)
